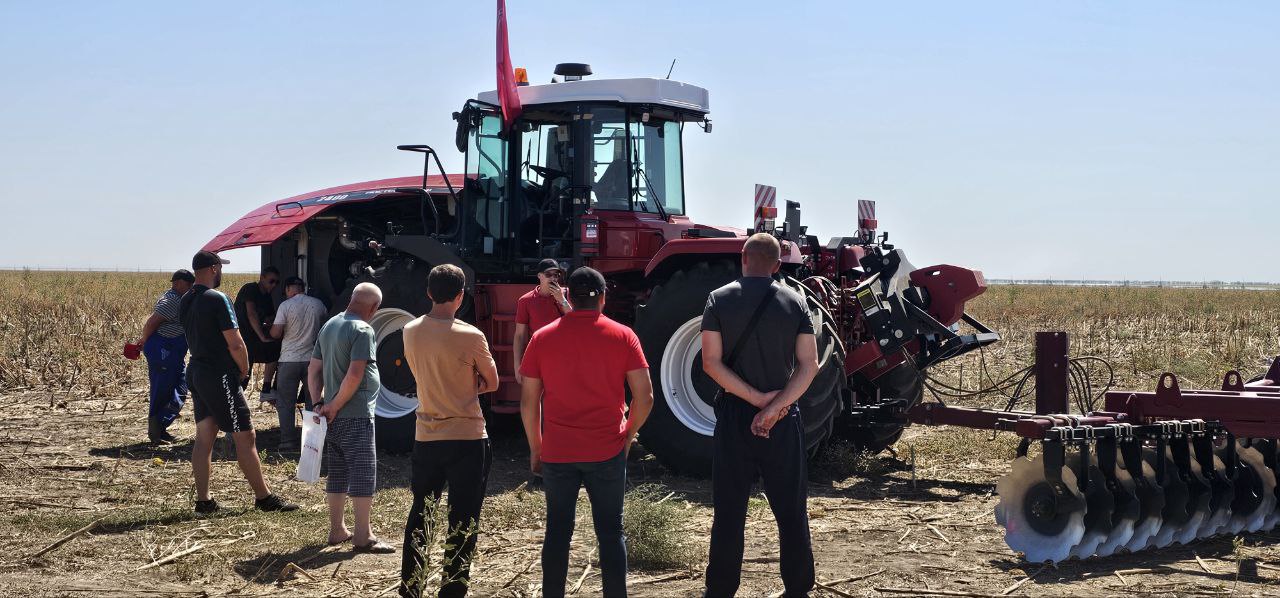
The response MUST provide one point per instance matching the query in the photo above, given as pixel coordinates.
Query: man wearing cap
(296, 324)
(217, 375)
(165, 346)
(573, 405)
(537, 308)
(256, 310)
(758, 345)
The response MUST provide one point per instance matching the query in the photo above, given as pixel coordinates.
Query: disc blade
(1175, 513)
(1258, 519)
(1200, 494)
(1150, 506)
(1032, 524)
(1223, 492)
(1100, 505)
(1249, 500)
(1125, 515)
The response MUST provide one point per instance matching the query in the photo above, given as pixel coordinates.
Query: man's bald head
(761, 255)
(365, 299)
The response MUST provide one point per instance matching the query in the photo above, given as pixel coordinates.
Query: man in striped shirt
(165, 346)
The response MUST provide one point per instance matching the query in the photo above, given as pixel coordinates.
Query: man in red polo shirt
(575, 416)
(537, 308)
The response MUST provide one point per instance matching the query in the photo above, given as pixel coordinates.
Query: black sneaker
(207, 507)
(273, 502)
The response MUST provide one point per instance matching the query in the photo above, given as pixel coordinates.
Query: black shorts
(260, 352)
(217, 394)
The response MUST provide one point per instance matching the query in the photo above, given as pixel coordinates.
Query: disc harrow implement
(1147, 471)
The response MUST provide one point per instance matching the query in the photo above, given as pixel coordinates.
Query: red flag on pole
(507, 96)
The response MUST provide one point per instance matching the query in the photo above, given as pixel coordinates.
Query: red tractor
(591, 174)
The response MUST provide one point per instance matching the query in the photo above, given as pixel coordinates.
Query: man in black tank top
(758, 343)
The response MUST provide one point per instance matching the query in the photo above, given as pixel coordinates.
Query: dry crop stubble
(64, 331)
(61, 334)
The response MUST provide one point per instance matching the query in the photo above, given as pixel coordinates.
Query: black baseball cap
(294, 281)
(204, 259)
(549, 264)
(183, 274)
(586, 282)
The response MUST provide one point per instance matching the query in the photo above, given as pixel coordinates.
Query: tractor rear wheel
(404, 297)
(679, 430)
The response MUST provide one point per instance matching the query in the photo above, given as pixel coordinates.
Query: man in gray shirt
(343, 380)
(297, 322)
(758, 345)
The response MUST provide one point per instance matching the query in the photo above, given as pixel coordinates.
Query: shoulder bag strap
(751, 325)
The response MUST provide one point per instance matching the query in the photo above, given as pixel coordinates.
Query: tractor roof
(276, 218)
(663, 92)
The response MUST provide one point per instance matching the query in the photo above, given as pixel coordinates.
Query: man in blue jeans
(165, 347)
(574, 408)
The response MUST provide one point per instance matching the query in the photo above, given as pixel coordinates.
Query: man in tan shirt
(451, 362)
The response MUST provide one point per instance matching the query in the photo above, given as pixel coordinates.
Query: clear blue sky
(1082, 139)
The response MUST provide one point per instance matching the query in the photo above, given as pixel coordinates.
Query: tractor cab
(578, 147)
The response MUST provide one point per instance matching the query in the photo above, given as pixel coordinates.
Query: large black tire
(404, 296)
(679, 430)
(904, 383)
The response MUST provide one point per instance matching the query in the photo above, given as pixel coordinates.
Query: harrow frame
(1193, 439)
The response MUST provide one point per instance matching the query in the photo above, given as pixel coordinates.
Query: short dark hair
(269, 270)
(445, 282)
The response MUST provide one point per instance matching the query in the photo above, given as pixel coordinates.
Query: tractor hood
(277, 218)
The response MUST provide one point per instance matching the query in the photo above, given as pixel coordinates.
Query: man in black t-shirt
(256, 311)
(218, 371)
(763, 366)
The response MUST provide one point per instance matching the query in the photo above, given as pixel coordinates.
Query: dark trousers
(780, 460)
(167, 373)
(463, 466)
(605, 482)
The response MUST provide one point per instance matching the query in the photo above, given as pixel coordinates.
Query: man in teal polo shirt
(343, 381)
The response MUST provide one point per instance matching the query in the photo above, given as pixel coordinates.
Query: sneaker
(207, 507)
(165, 436)
(273, 502)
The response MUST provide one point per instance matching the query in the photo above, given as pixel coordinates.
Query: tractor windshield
(636, 164)
(656, 175)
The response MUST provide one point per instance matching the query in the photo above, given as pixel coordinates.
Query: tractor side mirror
(460, 134)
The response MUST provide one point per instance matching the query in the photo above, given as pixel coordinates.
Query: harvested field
(89, 509)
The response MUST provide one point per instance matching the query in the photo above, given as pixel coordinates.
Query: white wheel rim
(676, 377)
(391, 404)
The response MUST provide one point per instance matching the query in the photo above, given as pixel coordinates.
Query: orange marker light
(522, 77)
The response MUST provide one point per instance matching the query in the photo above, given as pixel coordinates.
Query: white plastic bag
(314, 428)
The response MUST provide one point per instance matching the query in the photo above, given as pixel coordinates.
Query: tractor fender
(678, 252)
(433, 252)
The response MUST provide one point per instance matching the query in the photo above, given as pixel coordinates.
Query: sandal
(375, 546)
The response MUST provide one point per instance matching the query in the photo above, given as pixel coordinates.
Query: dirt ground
(879, 528)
